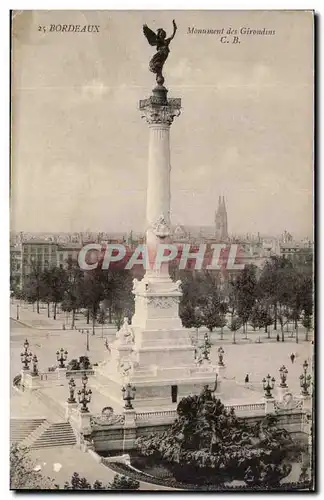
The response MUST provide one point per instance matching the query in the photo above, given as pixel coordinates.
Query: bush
(210, 444)
(120, 482)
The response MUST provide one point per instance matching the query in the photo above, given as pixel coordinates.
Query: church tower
(221, 220)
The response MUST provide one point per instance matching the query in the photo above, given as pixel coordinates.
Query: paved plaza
(247, 356)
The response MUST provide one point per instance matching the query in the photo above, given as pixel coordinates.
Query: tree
(307, 323)
(72, 298)
(221, 321)
(23, 475)
(272, 282)
(120, 482)
(82, 364)
(254, 318)
(245, 290)
(117, 286)
(208, 444)
(32, 286)
(117, 293)
(92, 293)
(210, 311)
(235, 324)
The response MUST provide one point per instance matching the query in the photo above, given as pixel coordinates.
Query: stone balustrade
(154, 415)
(80, 373)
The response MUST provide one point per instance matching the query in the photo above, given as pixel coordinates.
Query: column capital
(160, 112)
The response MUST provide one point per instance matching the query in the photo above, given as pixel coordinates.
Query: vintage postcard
(161, 250)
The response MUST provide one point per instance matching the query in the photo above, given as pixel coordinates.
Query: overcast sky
(79, 146)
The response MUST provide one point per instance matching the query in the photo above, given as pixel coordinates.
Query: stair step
(58, 434)
(20, 429)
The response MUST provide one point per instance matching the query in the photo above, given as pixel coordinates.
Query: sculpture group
(162, 43)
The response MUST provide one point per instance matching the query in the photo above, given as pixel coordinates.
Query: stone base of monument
(158, 387)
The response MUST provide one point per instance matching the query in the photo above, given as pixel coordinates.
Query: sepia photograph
(162, 295)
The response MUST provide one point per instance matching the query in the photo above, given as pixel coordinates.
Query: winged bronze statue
(162, 43)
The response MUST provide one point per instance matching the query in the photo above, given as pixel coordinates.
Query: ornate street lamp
(61, 356)
(128, 396)
(72, 387)
(305, 380)
(268, 385)
(35, 363)
(26, 356)
(220, 356)
(84, 395)
(283, 376)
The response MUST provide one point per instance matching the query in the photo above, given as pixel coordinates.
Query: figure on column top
(162, 46)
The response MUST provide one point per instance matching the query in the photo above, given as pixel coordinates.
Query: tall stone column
(156, 355)
(159, 113)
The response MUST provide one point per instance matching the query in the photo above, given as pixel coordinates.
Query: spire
(219, 201)
(223, 204)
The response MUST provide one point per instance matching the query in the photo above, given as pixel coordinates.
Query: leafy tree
(77, 483)
(245, 290)
(307, 323)
(234, 325)
(22, 472)
(255, 317)
(120, 482)
(72, 298)
(83, 363)
(92, 293)
(117, 286)
(209, 443)
(272, 282)
(210, 311)
(32, 286)
(52, 286)
(221, 322)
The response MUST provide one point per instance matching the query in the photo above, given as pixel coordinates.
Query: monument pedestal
(155, 354)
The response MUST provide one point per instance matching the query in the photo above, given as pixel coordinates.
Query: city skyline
(79, 155)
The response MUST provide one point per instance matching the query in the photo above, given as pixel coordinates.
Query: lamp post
(88, 348)
(17, 312)
(128, 396)
(26, 356)
(72, 387)
(305, 380)
(283, 376)
(84, 395)
(220, 356)
(61, 356)
(268, 385)
(35, 363)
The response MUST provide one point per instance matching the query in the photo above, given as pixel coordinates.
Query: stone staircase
(57, 434)
(50, 404)
(21, 428)
(31, 438)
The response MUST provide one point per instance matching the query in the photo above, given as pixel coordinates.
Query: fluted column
(159, 113)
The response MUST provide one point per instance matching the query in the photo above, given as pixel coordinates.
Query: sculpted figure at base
(125, 334)
(162, 47)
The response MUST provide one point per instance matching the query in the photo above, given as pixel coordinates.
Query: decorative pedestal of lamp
(61, 373)
(269, 405)
(69, 409)
(307, 402)
(81, 420)
(281, 392)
